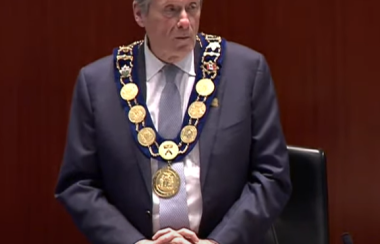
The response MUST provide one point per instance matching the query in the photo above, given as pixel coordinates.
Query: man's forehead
(160, 2)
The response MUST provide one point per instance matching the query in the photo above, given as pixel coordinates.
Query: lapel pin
(215, 102)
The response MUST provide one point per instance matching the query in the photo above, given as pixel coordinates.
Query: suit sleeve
(79, 186)
(268, 189)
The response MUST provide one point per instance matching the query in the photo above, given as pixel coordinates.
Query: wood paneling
(323, 55)
(43, 45)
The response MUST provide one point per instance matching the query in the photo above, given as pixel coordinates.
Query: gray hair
(144, 5)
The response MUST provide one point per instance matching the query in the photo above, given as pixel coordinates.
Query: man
(175, 139)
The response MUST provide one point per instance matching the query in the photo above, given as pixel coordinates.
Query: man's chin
(185, 46)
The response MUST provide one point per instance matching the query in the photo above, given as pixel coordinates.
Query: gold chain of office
(146, 136)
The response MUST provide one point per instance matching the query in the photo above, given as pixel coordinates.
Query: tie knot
(170, 71)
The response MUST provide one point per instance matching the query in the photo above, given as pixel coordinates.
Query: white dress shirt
(155, 84)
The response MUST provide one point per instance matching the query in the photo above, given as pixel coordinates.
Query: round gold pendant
(168, 150)
(129, 91)
(197, 110)
(137, 114)
(146, 137)
(189, 134)
(166, 182)
(205, 87)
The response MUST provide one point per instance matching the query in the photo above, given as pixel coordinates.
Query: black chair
(305, 218)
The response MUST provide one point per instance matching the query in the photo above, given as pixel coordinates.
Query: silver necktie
(173, 211)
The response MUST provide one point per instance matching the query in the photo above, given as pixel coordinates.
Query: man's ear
(137, 13)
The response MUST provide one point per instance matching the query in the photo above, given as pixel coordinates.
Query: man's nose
(184, 22)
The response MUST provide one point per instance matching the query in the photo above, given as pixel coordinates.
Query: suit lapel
(207, 142)
(142, 160)
(208, 136)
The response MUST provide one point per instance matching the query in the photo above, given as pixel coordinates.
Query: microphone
(346, 238)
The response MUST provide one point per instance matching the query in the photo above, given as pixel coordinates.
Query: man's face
(171, 27)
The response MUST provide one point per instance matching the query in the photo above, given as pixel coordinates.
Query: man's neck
(168, 59)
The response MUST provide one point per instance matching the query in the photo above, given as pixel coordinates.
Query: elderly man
(175, 139)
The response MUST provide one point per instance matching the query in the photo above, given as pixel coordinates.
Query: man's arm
(79, 186)
(268, 190)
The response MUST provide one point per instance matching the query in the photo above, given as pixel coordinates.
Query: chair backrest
(305, 218)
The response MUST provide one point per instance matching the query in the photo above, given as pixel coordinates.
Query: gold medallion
(137, 114)
(197, 110)
(129, 91)
(166, 182)
(189, 134)
(146, 137)
(168, 150)
(205, 87)
(124, 57)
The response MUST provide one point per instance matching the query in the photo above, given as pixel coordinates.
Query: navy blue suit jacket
(105, 180)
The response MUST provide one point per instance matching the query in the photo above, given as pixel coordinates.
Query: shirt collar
(154, 65)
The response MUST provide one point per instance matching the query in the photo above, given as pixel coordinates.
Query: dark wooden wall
(324, 57)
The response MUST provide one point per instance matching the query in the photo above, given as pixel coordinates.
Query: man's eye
(192, 7)
(170, 9)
